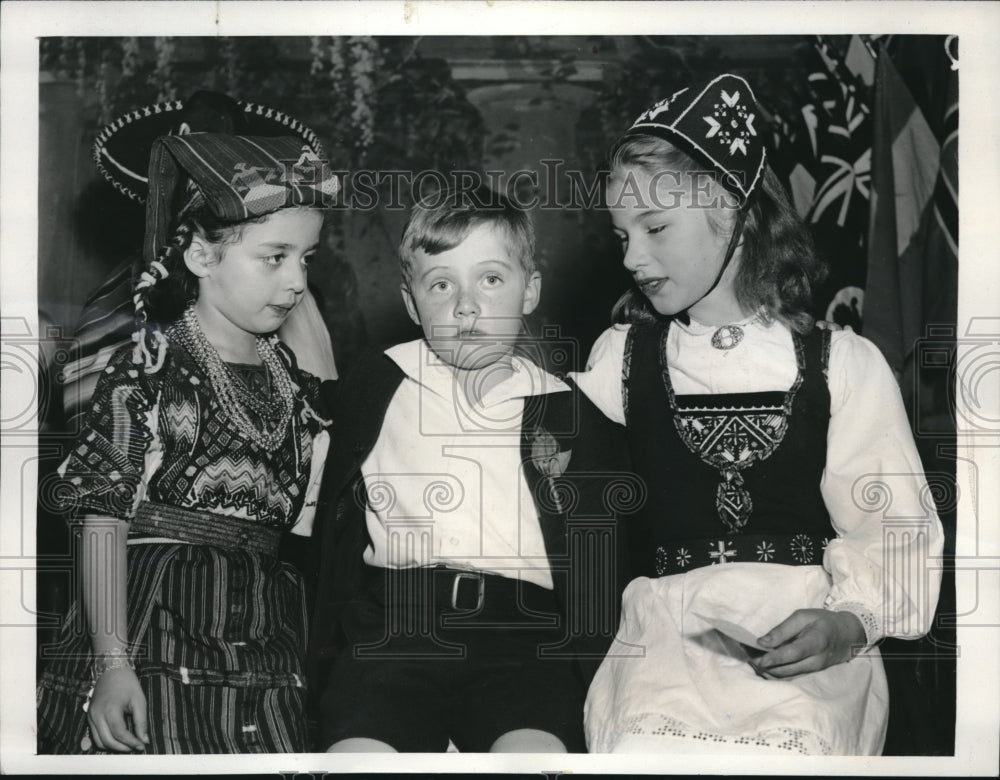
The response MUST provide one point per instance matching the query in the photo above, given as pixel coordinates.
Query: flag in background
(888, 124)
(824, 155)
(793, 151)
(912, 279)
(839, 210)
(860, 58)
(912, 286)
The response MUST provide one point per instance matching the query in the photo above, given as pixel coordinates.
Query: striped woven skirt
(218, 640)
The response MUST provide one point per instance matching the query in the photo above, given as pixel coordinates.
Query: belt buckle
(468, 575)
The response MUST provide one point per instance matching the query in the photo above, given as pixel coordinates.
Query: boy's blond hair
(442, 221)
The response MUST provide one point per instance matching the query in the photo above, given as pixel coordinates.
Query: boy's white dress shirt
(444, 479)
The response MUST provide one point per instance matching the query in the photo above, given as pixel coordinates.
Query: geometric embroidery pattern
(208, 462)
(731, 123)
(802, 548)
(721, 551)
(731, 440)
(661, 560)
(788, 549)
(664, 564)
(732, 437)
(792, 741)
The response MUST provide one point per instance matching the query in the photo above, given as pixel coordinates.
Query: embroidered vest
(729, 477)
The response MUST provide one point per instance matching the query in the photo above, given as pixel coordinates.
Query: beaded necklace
(235, 399)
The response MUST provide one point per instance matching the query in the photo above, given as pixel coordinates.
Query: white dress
(671, 683)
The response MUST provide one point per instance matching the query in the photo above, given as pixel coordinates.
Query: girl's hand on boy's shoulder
(808, 640)
(828, 325)
(118, 693)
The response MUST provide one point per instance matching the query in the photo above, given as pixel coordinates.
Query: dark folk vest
(729, 477)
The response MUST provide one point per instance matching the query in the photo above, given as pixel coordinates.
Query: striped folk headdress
(239, 177)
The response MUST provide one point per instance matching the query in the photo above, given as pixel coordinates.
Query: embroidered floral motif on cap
(715, 123)
(659, 107)
(731, 123)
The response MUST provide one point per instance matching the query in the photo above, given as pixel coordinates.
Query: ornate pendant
(727, 337)
(734, 504)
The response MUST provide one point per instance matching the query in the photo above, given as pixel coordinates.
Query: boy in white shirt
(458, 591)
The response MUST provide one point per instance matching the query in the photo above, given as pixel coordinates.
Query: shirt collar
(421, 364)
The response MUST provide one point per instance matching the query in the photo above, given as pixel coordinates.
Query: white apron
(673, 684)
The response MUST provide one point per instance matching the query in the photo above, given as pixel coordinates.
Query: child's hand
(808, 640)
(117, 694)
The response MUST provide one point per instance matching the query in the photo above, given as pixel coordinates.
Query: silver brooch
(727, 337)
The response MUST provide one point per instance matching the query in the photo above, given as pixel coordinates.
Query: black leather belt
(457, 590)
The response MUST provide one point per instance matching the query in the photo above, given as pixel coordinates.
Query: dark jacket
(580, 511)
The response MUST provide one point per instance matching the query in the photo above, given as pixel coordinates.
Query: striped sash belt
(209, 528)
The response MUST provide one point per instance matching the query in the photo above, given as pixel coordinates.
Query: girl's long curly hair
(778, 266)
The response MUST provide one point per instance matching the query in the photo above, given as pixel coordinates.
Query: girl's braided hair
(166, 288)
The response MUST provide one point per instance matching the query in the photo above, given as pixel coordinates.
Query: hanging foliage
(363, 55)
(376, 103)
(165, 69)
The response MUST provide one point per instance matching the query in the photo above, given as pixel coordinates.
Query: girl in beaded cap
(203, 445)
(758, 436)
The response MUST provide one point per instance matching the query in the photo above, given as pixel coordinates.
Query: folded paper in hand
(733, 631)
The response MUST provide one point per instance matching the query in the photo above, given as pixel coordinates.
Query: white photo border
(978, 577)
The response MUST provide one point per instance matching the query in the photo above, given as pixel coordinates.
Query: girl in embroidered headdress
(201, 449)
(766, 572)
(121, 151)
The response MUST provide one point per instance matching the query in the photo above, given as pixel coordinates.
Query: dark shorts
(429, 660)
